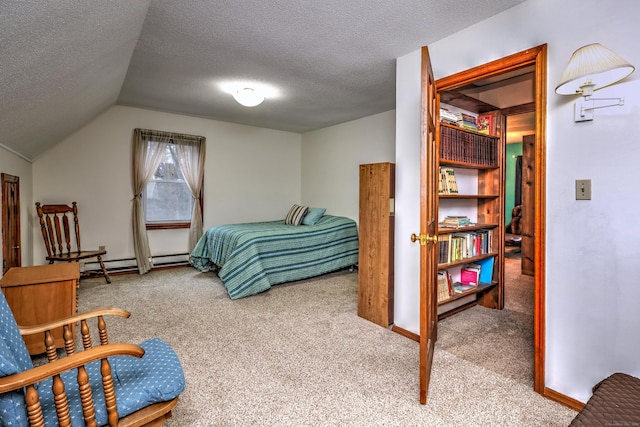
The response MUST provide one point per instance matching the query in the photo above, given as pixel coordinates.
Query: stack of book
(469, 278)
(473, 275)
(452, 221)
(470, 274)
(447, 183)
(459, 288)
(447, 116)
(466, 121)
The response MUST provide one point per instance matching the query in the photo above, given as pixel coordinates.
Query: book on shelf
(476, 242)
(444, 252)
(470, 274)
(452, 184)
(486, 270)
(447, 116)
(468, 147)
(457, 246)
(486, 124)
(461, 287)
(452, 221)
(447, 181)
(466, 121)
(444, 285)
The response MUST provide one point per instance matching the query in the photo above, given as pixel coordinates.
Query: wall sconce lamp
(590, 68)
(248, 97)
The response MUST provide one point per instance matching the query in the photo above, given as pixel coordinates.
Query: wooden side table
(41, 294)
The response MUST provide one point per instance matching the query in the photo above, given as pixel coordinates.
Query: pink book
(469, 277)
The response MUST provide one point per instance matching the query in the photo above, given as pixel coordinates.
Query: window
(167, 176)
(168, 202)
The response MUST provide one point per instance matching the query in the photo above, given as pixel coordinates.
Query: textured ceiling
(62, 63)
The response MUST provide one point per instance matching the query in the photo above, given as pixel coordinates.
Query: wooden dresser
(41, 294)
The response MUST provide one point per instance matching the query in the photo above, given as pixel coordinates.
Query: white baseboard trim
(129, 264)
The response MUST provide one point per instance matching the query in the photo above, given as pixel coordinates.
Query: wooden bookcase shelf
(469, 196)
(464, 261)
(475, 227)
(467, 150)
(464, 165)
(483, 287)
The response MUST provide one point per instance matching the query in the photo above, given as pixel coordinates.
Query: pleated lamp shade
(590, 68)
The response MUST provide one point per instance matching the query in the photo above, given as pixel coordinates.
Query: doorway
(529, 61)
(520, 190)
(11, 252)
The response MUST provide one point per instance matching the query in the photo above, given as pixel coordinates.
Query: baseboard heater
(127, 265)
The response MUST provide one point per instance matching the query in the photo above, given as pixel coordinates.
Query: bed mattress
(251, 257)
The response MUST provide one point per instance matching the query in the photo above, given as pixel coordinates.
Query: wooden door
(428, 225)
(537, 57)
(11, 252)
(528, 203)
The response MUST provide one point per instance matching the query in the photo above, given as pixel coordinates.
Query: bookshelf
(476, 162)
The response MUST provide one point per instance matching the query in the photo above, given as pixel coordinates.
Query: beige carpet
(499, 340)
(298, 355)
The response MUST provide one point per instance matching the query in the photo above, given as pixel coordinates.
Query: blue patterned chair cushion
(156, 377)
(14, 358)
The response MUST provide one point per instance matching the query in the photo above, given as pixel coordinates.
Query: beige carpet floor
(499, 340)
(298, 355)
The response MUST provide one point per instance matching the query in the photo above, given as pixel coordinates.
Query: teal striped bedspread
(253, 256)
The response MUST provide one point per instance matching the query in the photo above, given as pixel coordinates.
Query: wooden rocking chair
(96, 386)
(57, 236)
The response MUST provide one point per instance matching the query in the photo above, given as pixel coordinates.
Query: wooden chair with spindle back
(56, 233)
(92, 385)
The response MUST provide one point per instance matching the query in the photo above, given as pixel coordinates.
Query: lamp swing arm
(619, 102)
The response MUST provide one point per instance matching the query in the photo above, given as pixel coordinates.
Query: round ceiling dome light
(248, 97)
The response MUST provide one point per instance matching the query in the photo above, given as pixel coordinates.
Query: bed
(251, 257)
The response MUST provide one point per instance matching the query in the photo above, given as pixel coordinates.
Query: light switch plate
(583, 189)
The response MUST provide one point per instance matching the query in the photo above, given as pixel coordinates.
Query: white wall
(592, 293)
(17, 166)
(331, 159)
(251, 174)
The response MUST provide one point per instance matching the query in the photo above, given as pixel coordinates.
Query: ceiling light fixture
(248, 97)
(591, 68)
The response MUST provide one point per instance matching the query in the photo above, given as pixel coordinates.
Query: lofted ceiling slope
(63, 63)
